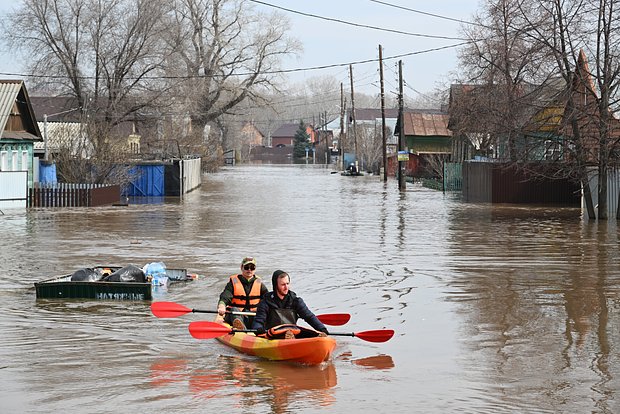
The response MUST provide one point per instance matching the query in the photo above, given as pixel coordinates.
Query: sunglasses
(249, 267)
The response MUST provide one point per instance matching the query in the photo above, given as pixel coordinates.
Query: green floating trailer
(64, 288)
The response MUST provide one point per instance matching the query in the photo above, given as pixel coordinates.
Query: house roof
(250, 125)
(59, 135)
(426, 123)
(13, 93)
(65, 109)
(57, 108)
(552, 115)
(286, 130)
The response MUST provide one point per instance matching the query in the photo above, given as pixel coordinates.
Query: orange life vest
(278, 332)
(241, 299)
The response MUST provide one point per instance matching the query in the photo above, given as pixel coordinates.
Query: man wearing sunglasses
(241, 294)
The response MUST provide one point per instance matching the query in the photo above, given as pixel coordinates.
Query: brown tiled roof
(426, 123)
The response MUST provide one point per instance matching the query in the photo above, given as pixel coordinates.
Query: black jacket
(271, 301)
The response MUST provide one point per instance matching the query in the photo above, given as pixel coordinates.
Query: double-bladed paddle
(209, 330)
(172, 310)
(378, 335)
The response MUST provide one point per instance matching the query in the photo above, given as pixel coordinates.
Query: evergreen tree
(300, 141)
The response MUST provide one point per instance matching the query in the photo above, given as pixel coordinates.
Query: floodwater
(497, 309)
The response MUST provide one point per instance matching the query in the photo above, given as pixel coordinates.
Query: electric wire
(438, 16)
(356, 24)
(281, 71)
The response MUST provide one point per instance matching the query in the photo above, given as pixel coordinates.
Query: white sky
(330, 43)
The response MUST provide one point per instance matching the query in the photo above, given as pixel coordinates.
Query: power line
(356, 24)
(427, 13)
(427, 96)
(273, 72)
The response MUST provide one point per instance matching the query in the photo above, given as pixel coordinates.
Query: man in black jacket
(283, 306)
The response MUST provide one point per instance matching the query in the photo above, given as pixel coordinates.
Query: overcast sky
(328, 42)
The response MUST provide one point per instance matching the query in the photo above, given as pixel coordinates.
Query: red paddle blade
(207, 330)
(334, 319)
(381, 335)
(168, 309)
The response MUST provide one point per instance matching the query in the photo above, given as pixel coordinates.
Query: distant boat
(351, 174)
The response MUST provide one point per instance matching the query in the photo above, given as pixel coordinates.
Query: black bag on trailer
(129, 273)
(85, 275)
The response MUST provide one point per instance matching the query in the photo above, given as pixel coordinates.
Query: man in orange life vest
(241, 293)
(283, 306)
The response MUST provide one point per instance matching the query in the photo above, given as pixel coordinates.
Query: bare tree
(538, 43)
(228, 52)
(502, 63)
(107, 54)
(369, 146)
(433, 165)
(574, 30)
(73, 156)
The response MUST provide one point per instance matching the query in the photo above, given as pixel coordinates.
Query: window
(24, 161)
(4, 160)
(552, 150)
(14, 160)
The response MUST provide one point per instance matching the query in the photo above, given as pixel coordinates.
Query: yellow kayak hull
(310, 351)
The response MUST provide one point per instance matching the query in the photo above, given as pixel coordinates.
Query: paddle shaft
(207, 330)
(231, 312)
(172, 310)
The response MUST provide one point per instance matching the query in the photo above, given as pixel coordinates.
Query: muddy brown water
(496, 309)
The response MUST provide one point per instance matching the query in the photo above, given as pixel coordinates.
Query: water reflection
(532, 269)
(375, 362)
(250, 383)
(495, 308)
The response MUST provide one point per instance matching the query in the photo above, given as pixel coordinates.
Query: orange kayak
(311, 351)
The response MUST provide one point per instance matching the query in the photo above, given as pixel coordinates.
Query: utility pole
(343, 134)
(45, 137)
(353, 114)
(384, 139)
(325, 135)
(402, 184)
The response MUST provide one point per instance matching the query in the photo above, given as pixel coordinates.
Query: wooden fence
(73, 195)
(495, 182)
